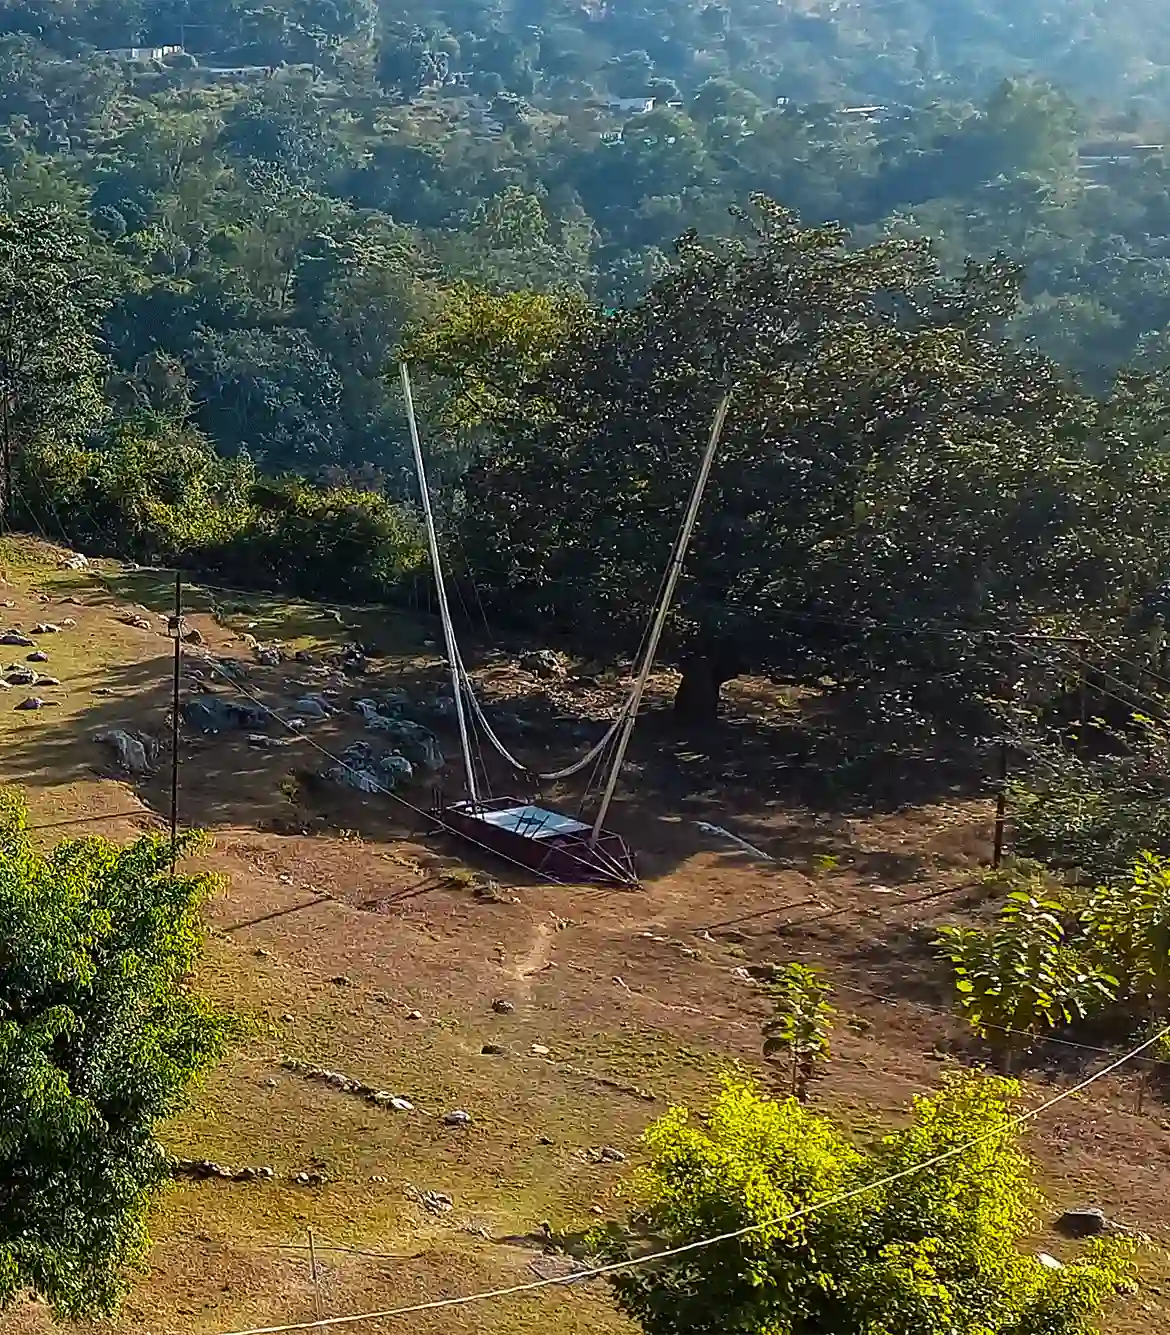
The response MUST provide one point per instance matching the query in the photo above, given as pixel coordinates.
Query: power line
(402, 801)
(141, 813)
(597, 1272)
(999, 1028)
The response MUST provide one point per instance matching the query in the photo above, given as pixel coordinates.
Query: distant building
(630, 106)
(143, 52)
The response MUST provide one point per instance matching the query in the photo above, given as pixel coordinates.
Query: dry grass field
(354, 938)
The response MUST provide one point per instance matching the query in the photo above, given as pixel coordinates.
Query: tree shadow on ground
(784, 784)
(272, 616)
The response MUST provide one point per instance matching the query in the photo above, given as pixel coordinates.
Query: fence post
(1000, 805)
(316, 1276)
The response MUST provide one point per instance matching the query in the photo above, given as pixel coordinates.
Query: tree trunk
(696, 701)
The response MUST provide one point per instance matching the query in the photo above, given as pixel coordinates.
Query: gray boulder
(368, 771)
(314, 707)
(417, 743)
(213, 714)
(135, 752)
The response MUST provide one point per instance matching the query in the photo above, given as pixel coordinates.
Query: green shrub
(158, 493)
(947, 1251)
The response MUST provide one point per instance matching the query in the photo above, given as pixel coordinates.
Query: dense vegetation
(100, 1039)
(267, 210)
(924, 247)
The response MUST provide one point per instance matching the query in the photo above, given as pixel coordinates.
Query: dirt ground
(357, 941)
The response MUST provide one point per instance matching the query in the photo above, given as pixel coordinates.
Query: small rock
(1082, 1223)
(437, 1202)
(457, 1118)
(493, 1050)
(47, 681)
(46, 628)
(545, 1140)
(271, 1082)
(286, 1018)
(1048, 1262)
(15, 637)
(539, 1050)
(401, 1105)
(68, 622)
(340, 980)
(310, 1179)
(414, 1015)
(266, 1172)
(262, 742)
(262, 954)
(38, 656)
(606, 1154)
(596, 1209)
(16, 674)
(502, 1007)
(379, 1177)
(32, 702)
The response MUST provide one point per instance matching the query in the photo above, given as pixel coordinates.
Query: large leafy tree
(889, 458)
(50, 366)
(941, 1252)
(100, 1038)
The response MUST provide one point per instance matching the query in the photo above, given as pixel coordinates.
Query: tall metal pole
(440, 585)
(177, 631)
(678, 556)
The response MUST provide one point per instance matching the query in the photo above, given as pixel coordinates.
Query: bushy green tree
(888, 460)
(100, 1040)
(1127, 926)
(1024, 975)
(940, 1252)
(50, 367)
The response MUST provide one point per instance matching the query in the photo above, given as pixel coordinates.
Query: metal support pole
(440, 584)
(678, 556)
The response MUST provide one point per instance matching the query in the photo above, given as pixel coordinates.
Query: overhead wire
(431, 817)
(732, 1235)
(1079, 665)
